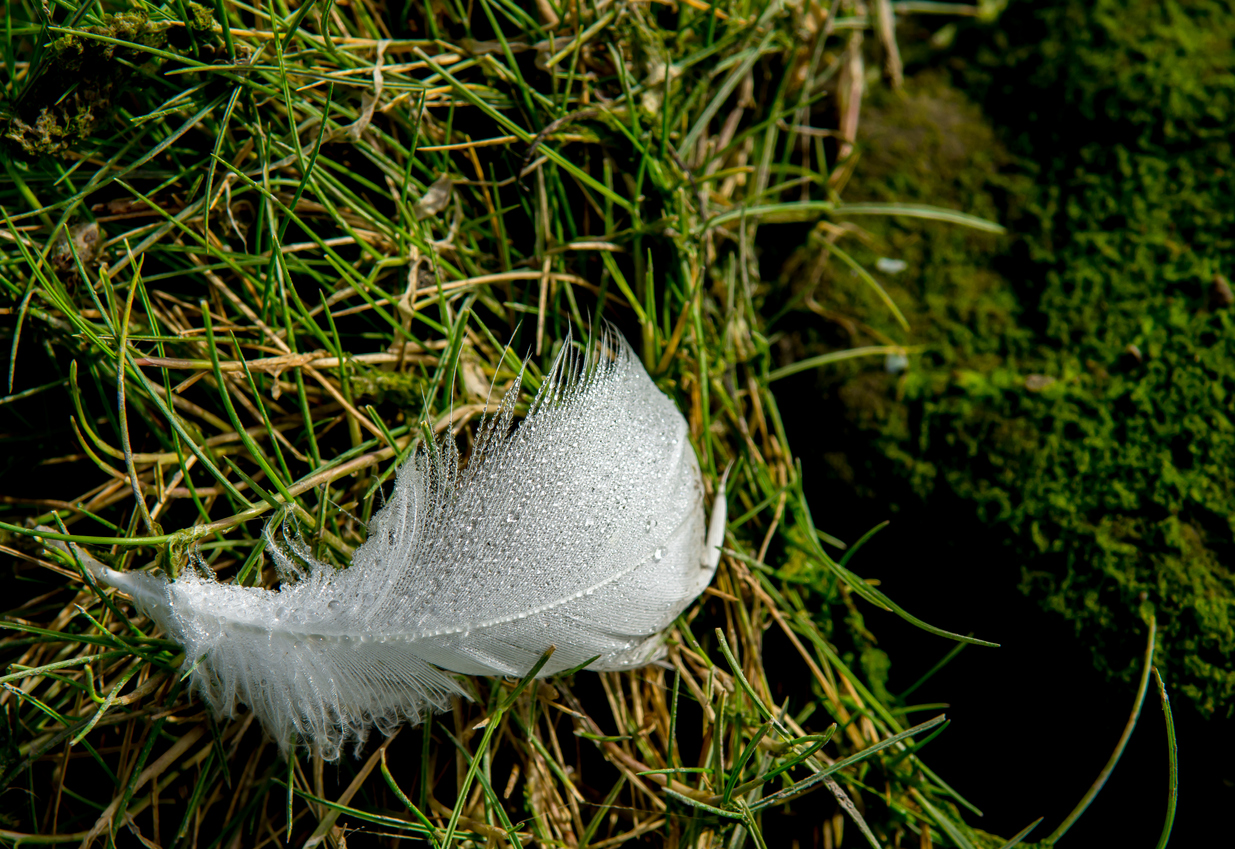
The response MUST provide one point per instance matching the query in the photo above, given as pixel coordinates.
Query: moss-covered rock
(1078, 383)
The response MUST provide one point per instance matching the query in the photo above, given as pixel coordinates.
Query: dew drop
(658, 554)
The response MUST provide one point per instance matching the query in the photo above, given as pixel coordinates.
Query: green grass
(247, 263)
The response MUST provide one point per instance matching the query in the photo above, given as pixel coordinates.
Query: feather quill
(582, 529)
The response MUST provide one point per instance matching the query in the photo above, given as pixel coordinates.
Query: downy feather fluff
(582, 529)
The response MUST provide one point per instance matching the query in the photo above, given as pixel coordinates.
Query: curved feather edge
(582, 528)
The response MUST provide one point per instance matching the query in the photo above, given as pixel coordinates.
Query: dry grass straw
(305, 236)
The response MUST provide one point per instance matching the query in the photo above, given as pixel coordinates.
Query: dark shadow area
(1033, 722)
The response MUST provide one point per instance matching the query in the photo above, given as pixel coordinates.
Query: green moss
(399, 388)
(78, 85)
(1081, 397)
(201, 19)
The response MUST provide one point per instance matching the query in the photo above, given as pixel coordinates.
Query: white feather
(583, 530)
